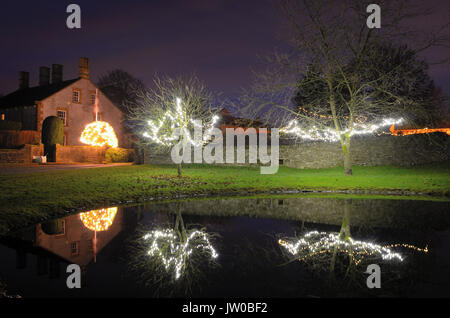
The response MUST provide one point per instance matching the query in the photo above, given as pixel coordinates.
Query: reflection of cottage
(73, 241)
(71, 100)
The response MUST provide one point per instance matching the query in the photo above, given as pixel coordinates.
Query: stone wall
(86, 154)
(90, 154)
(366, 151)
(369, 151)
(23, 155)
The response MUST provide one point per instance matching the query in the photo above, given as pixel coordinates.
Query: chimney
(83, 67)
(44, 75)
(57, 73)
(24, 80)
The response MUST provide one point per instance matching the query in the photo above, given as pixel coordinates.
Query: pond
(267, 246)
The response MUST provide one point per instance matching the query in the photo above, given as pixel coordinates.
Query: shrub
(52, 131)
(10, 125)
(119, 155)
(52, 134)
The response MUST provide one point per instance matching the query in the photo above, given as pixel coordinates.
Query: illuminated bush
(119, 155)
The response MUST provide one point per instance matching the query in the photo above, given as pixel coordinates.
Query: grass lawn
(28, 198)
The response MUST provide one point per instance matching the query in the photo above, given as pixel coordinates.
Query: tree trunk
(344, 234)
(347, 157)
(179, 170)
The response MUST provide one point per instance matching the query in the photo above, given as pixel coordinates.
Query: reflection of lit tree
(3, 291)
(97, 221)
(322, 251)
(173, 257)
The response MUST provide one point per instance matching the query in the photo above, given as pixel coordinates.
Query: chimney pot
(44, 75)
(83, 67)
(24, 80)
(57, 73)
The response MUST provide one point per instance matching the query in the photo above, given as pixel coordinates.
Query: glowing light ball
(99, 133)
(98, 220)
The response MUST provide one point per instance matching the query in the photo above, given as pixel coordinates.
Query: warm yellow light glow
(99, 133)
(405, 132)
(98, 220)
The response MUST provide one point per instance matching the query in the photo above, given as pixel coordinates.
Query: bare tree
(120, 86)
(333, 71)
(166, 114)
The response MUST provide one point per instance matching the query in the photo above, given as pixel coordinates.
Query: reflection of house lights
(177, 253)
(99, 220)
(331, 135)
(176, 120)
(315, 243)
(99, 133)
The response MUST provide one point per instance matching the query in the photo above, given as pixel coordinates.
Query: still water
(285, 246)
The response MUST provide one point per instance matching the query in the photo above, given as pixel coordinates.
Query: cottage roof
(28, 96)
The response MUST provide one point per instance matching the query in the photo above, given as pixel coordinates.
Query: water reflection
(173, 256)
(340, 254)
(75, 239)
(98, 220)
(236, 248)
(78, 239)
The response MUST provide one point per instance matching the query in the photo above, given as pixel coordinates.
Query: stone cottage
(71, 100)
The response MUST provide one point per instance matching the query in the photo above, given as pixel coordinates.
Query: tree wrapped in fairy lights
(341, 78)
(167, 114)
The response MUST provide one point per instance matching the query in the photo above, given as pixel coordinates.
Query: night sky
(220, 40)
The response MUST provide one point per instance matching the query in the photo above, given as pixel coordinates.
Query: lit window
(62, 114)
(74, 248)
(76, 96)
(3, 116)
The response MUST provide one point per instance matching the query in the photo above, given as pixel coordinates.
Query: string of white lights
(177, 120)
(314, 243)
(331, 135)
(177, 253)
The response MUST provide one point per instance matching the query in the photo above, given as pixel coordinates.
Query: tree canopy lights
(99, 133)
(314, 243)
(331, 135)
(99, 220)
(166, 246)
(162, 131)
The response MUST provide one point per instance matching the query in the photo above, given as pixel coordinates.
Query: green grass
(28, 198)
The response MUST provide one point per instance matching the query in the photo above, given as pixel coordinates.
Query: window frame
(92, 101)
(76, 90)
(77, 251)
(63, 109)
